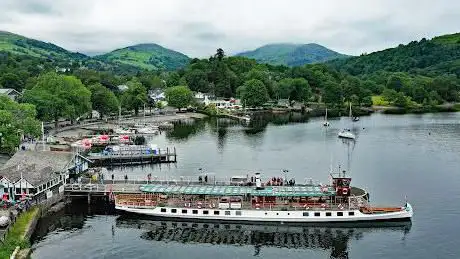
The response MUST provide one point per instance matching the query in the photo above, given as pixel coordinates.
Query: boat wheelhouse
(277, 200)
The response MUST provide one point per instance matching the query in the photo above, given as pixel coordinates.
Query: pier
(133, 158)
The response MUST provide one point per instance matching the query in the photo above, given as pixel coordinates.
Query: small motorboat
(4, 221)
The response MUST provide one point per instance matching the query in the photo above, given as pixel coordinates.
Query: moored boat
(276, 201)
(346, 134)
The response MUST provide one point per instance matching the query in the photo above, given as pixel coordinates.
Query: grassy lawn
(15, 236)
(379, 101)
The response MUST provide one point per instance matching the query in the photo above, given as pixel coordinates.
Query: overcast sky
(198, 27)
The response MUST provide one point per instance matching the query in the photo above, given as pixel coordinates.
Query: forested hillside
(291, 54)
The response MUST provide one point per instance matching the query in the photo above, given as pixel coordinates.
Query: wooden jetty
(163, 156)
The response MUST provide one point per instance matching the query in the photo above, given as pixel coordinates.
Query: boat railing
(151, 200)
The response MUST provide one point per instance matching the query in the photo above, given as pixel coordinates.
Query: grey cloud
(199, 27)
(29, 6)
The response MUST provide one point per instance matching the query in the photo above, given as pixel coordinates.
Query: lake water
(394, 156)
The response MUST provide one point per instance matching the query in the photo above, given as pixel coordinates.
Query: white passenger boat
(276, 201)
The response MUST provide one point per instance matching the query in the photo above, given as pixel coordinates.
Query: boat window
(328, 214)
(195, 211)
(317, 214)
(184, 211)
(163, 209)
(173, 210)
(227, 212)
(205, 212)
(238, 212)
(351, 213)
(340, 214)
(306, 214)
(216, 212)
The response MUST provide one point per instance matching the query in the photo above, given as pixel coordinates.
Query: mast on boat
(350, 114)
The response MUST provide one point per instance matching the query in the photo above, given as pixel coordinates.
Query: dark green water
(417, 156)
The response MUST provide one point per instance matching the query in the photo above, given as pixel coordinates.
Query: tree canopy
(16, 119)
(59, 96)
(135, 97)
(254, 93)
(179, 96)
(104, 101)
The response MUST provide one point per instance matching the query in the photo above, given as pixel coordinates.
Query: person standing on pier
(113, 178)
(126, 178)
(149, 177)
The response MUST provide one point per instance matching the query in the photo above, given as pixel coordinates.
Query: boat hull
(271, 216)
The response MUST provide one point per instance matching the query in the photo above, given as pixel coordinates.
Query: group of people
(278, 181)
(200, 179)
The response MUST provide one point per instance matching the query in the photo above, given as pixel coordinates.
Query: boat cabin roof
(228, 190)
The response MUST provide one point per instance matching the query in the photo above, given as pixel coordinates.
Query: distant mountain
(18, 44)
(147, 56)
(292, 54)
(437, 56)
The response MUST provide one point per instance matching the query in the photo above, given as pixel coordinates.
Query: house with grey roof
(11, 93)
(35, 173)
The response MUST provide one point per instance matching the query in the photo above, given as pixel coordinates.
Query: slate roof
(36, 167)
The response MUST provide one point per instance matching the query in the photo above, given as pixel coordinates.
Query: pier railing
(102, 188)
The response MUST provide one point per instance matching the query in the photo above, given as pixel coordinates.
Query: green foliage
(367, 101)
(179, 96)
(59, 96)
(291, 54)
(254, 93)
(423, 57)
(135, 97)
(332, 95)
(104, 101)
(294, 89)
(147, 56)
(15, 236)
(18, 44)
(10, 80)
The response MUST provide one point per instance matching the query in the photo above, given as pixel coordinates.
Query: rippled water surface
(417, 156)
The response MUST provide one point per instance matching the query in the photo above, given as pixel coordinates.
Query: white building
(34, 173)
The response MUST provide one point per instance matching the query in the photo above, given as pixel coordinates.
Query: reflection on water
(91, 231)
(335, 239)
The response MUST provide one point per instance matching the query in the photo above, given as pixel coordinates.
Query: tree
(135, 97)
(10, 80)
(367, 101)
(179, 96)
(197, 80)
(59, 96)
(254, 93)
(16, 119)
(172, 79)
(332, 93)
(220, 54)
(104, 101)
(296, 89)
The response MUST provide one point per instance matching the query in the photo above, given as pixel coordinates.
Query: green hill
(292, 54)
(18, 44)
(147, 56)
(437, 56)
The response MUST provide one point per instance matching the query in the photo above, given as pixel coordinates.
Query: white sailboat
(354, 119)
(346, 133)
(326, 122)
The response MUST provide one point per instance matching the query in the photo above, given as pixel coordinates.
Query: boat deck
(229, 190)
